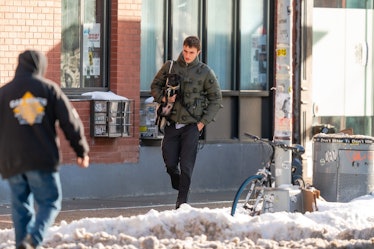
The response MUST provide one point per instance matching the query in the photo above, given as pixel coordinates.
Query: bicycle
(250, 196)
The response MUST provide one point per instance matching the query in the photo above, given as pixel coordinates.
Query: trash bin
(343, 166)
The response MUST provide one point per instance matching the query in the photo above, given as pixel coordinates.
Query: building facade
(115, 47)
(57, 28)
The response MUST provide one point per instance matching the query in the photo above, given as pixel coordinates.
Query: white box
(281, 199)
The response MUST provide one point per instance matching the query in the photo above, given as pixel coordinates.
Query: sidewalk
(126, 206)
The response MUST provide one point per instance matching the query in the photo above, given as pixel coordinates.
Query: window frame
(74, 93)
(235, 77)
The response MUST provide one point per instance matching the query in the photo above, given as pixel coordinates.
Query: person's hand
(83, 162)
(200, 126)
(171, 99)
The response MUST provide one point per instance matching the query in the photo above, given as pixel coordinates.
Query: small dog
(164, 110)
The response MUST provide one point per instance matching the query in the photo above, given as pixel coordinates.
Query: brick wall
(102, 150)
(125, 69)
(29, 24)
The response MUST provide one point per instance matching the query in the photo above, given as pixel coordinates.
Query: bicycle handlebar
(296, 149)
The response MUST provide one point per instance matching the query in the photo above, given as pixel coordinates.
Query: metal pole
(283, 92)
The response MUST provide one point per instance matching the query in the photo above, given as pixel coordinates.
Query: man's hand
(170, 99)
(83, 162)
(200, 126)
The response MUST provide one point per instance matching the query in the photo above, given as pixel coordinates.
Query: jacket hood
(32, 61)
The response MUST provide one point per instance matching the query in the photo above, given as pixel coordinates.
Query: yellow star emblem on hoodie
(29, 109)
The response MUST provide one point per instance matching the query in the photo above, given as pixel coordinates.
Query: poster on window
(91, 49)
(259, 62)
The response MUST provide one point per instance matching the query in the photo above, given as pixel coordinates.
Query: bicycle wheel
(249, 197)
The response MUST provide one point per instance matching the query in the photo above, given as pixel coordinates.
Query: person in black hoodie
(30, 108)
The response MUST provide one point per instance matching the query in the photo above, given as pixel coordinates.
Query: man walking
(30, 108)
(196, 103)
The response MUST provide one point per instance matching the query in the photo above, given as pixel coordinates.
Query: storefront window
(152, 42)
(226, 47)
(185, 20)
(359, 4)
(219, 40)
(253, 45)
(83, 47)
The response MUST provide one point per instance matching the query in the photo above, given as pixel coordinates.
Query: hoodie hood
(32, 61)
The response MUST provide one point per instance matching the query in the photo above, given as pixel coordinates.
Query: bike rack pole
(282, 159)
(283, 91)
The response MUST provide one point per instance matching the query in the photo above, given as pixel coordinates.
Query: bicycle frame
(256, 184)
(296, 164)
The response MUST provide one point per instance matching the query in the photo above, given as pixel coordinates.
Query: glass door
(342, 65)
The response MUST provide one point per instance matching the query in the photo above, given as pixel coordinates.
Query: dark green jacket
(199, 97)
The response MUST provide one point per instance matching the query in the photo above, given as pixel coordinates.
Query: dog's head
(174, 79)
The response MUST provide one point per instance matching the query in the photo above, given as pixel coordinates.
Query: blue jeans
(45, 189)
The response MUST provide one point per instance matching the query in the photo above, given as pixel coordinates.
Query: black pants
(179, 149)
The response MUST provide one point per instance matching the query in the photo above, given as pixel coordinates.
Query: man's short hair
(192, 42)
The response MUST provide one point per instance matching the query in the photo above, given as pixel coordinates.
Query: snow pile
(335, 225)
